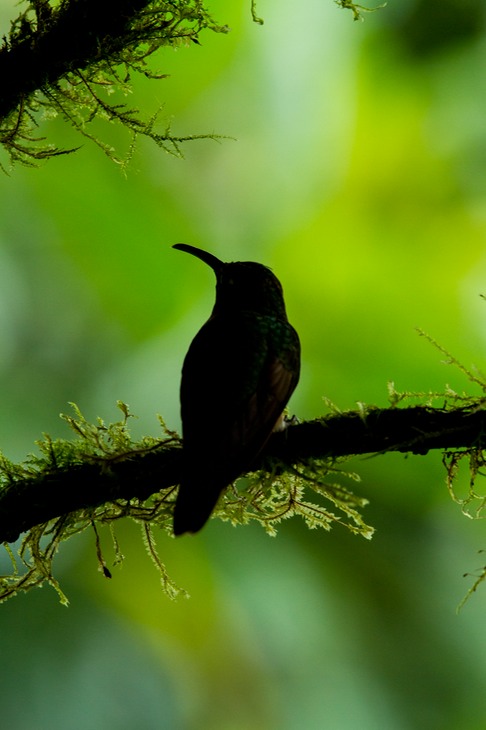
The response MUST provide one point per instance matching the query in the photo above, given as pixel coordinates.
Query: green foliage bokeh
(358, 174)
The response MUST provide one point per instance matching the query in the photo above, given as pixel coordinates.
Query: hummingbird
(238, 375)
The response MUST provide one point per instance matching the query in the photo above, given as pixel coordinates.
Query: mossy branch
(63, 481)
(103, 476)
(70, 57)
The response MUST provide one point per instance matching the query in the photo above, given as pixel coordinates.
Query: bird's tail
(195, 502)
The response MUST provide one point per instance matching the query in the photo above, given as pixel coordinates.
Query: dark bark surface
(416, 430)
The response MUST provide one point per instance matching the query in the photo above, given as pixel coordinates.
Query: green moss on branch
(103, 476)
(68, 58)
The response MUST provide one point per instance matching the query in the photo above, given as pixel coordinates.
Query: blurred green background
(358, 174)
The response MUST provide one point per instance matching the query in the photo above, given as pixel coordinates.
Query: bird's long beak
(208, 258)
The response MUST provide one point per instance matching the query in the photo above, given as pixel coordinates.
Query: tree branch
(66, 59)
(80, 32)
(139, 473)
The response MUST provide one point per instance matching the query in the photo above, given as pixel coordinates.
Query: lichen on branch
(68, 58)
(102, 476)
(71, 58)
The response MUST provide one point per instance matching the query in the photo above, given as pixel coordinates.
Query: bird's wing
(235, 386)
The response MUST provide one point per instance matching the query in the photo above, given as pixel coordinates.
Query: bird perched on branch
(237, 377)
